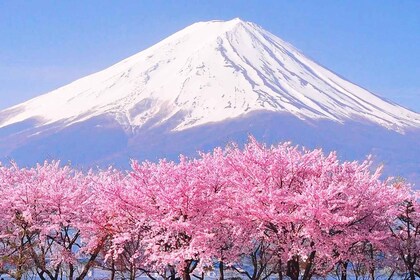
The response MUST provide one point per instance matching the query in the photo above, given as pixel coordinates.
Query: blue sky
(47, 44)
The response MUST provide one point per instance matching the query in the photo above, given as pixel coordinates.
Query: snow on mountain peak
(210, 72)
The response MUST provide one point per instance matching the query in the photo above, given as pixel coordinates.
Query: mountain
(205, 85)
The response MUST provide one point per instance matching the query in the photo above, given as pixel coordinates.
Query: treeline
(254, 212)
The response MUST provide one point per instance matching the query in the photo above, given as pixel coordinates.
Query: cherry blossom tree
(15, 258)
(52, 211)
(312, 206)
(404, 243)
(180, 199)
(123, 252)
(256, 211)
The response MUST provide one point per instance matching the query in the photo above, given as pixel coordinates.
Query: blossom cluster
(255, 211)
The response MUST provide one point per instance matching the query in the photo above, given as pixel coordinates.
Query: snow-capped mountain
(210, 72)
(205, 85)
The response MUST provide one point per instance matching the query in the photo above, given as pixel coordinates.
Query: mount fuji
(206, 85)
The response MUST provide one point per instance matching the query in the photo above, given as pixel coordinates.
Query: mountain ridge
(210, 72)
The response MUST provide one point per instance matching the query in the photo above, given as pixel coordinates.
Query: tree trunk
(40, 275)
(19, 271)
(132, 272)
(307, 274)
(71, 271)
(173, 273)
(293, 268)
(221, 271)
(186, 272)
(372, 273)
(344, 270)
(372, 266)
(280, 270)
(255, 265)
(412, 275)
(91, 260)
(112, 269)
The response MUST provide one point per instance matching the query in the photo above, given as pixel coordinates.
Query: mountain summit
(206, 85)
(210, 72)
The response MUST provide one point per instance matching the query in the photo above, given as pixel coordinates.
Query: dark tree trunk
(173, 273)
(112, 269)
(71, 271)
(307, 274)
(412, 275)
(41, 275)
(293, 268)
(372, 266)
(344, 270)
(91, 260)
(372, 273)
(392, 274)
(221, 271)
(280, 270)
(186, 275)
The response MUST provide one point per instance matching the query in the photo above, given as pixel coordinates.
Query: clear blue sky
(47, 44)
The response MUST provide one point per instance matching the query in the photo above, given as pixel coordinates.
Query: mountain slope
(208, 84)
(210, 72)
